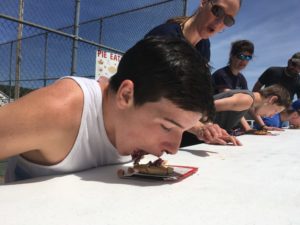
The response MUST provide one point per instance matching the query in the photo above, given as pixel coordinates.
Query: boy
(288, 117)
(162, 88)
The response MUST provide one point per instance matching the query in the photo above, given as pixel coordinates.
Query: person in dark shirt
(211, 17)
(289, 76)
(171, 28)
(230, 76)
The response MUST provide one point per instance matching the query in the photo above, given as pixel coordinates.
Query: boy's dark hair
(166, 67)
(282, 94)
(240, 46)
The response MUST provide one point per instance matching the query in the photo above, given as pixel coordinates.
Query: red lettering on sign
(115, 57)
(103, 54)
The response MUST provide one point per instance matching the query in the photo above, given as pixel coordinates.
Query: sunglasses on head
(219, 12)
(244, 57)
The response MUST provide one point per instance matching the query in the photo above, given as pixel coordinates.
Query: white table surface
(256, 184)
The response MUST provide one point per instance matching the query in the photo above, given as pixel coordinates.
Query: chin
(207, 34)
(124, 152)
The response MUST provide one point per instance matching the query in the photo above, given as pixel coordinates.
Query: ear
(272, 99)
(125, 94)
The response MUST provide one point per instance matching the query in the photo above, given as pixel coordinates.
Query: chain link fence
(60, 38)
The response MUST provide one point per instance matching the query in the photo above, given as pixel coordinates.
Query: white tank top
(91, 149)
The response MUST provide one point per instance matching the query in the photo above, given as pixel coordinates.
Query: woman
(232, 105)
(211, 17)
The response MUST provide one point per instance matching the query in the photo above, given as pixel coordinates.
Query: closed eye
(165, 128)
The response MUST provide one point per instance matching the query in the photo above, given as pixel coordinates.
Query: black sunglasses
(219, 12)
(244, 57)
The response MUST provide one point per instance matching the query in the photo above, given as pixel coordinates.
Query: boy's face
(295, 120)
(154, 127)
(269, 109)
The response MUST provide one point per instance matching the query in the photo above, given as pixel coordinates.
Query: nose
(220, 21)
(218, 25)
(172, 148)
(244, 62)
(172, 145)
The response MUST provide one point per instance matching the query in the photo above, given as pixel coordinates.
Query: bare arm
(245, 124)
(256, 117)
(43, 124)
(261, 123)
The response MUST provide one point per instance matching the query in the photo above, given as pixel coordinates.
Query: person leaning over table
(290, 117)
(232, 105)
(288, 76)
(77, 123)
(211, 17)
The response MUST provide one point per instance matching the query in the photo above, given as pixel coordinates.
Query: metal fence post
(18, 51)
(185, 7)
(45, 59)
(100, 30)
(75, 41)
(10, 70)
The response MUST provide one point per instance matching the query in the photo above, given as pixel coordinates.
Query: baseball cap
(296, 105)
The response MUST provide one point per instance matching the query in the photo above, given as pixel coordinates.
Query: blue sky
(273, 27)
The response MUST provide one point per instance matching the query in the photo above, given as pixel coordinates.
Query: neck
(108, 111)
(189, 30)
(284, 116)
(233, 70)
(258, 100)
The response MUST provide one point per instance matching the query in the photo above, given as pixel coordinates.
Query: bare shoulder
(55, 101)
(242, 101)
(237, 102)
(244, 97)
(41, 118)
